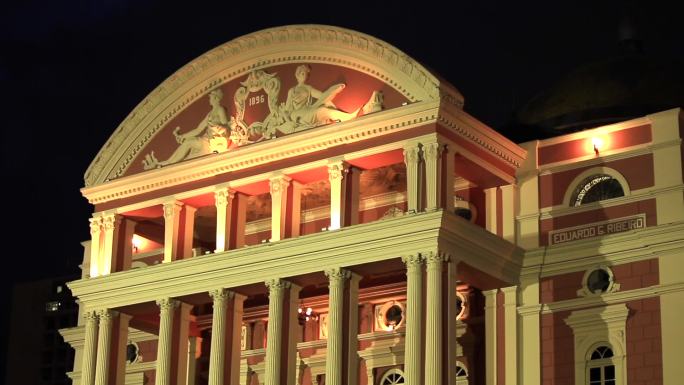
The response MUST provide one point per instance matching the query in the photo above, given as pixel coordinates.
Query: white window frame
(390, 372)
(596, 327)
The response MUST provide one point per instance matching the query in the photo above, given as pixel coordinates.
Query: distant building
(309, 205)
(37, 354)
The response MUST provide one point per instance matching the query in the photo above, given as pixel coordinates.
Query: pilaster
(336, 175)
(95, 244)
(223, 198)
(278, 187)
(432, 152)
(172, 212)
(511, 330)
(509, 210)
(490, 337)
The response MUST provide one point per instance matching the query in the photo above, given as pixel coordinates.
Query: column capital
(433, 150)
(337, 169)
(166, 304)
(95, 223)
(435, 258)
(90, 316)
(106, 314)
(337, 275)
(221, 295)
(279, 183)
(223, 195)
(412, 261)
(172, 209)
(109, 220)
(277, 284)
(411, 153)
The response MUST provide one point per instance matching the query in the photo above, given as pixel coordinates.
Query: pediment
(247, 91)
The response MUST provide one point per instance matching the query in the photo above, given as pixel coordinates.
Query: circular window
(132, 353)
(598, 281)
(390, 316)
(393, 377)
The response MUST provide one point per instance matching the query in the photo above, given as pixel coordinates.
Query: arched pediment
(349, 73)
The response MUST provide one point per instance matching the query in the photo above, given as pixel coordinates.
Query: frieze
(117, 156)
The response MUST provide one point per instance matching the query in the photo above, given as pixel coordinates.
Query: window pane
(595, 374)
(610, 372)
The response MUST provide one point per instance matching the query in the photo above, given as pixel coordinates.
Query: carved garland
(314, 34)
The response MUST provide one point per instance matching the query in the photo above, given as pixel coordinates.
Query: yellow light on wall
(597, 143)
(137, 243)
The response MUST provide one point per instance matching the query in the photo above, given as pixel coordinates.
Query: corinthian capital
(221, 295)
(337, 275)
(277, 284)
(167, 304)
(433, 150)
(336, 170)
(172, 209)
(279, 184)
(434, 259)
(95, 224)
(411, 154)
(412, 260)
(223, 196)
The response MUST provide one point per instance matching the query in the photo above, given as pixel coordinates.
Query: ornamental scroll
(305, 107)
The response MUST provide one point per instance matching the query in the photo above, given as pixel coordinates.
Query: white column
(224, 203)
(95, 245)
(490, 210)
(108, 224)
(414, 318)
(511, 330)
(490, 336)
(509, 209)
(171, 226)
(336, 175)
(278, 186)
(412, 161)
(89, 349)
(333, 364)
(218, 336)
(433, 177)
(167, 307)
(274, 339)
(104, 347)
(187, 228)
(434, 332)
(192, 360)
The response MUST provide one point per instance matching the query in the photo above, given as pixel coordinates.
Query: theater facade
(309, 205)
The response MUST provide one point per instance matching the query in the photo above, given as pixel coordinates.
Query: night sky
(70, 72)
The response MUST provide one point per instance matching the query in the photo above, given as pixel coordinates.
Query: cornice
(306, 142)
(481, 135)
(297, 43)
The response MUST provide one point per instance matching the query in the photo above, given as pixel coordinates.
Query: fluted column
(274, 348)
(433, 329)
(95, 245)
(167, 307)
(414, 318)
(333, 365)
(218, 336)
(104, 346)
(224, 199)
(412, 160)
(171, 230)
(89, 349)
(433, 178)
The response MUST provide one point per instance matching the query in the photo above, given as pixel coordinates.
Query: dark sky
(70, 72)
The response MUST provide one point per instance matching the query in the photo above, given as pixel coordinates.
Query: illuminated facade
(308, 205)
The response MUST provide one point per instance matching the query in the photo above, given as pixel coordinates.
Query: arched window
(392, 377)
(461, 374)
(601, 368)
(596, 188)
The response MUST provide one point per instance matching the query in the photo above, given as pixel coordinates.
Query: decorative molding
(305, 142)
(335, 46)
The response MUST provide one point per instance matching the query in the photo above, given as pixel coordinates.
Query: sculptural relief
(305, 107)
(210, 135)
